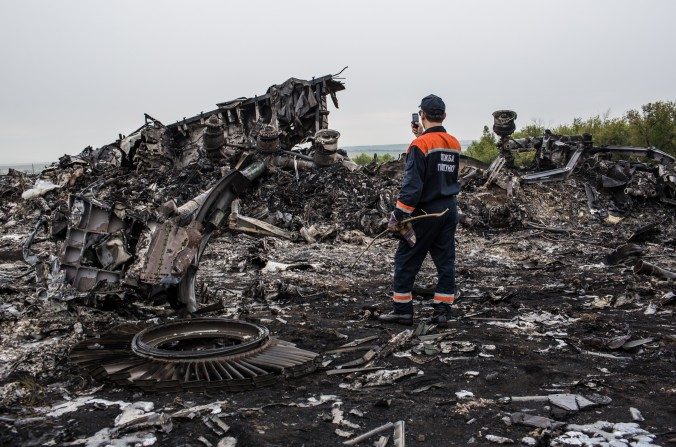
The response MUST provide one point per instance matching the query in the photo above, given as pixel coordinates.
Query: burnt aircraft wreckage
(108, 243)
(188, 181)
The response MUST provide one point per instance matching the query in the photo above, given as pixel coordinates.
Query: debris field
(201, 284)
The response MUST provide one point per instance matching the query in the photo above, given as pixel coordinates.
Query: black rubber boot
(398, 318)
(442, 314)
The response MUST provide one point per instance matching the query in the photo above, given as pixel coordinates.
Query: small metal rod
(296, 154)
(368, 434)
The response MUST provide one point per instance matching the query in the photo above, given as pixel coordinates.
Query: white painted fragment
(499, 439)
(464, 394)
(636, 414)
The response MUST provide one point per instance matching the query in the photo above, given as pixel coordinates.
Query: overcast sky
(77, 73)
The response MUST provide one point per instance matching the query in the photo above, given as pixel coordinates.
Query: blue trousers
(435, 236)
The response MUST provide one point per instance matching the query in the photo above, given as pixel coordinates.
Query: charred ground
(540, 313)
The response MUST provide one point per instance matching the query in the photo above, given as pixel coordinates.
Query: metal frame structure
(569, 149)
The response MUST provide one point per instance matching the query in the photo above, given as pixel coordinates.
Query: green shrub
(604, 130)
(529, 130)
(524, 159)
(654, 125)
(483, 149)
(364, 159)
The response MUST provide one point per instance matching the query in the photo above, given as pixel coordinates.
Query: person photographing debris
(430, 185)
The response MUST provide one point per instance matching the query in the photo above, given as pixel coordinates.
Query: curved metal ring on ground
(196, 354)
(247, 337)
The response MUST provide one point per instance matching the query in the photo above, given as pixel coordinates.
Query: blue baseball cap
(433, 105)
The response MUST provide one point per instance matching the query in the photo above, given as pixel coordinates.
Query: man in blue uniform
(430, 185)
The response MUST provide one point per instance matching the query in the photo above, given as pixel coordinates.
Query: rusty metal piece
(623, 252)
(646, 232)
(368, 434)
(214, 138)
(268, 139)
(641, 187)
(292, 162)
(325, 147)
(197, 355)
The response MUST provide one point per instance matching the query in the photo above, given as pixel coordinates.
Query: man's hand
(405, 230)
(393, 225)
(417, 129)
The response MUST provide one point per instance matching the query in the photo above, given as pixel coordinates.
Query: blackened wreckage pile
(252, 213)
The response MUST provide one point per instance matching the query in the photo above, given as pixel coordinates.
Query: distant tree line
(651, 126)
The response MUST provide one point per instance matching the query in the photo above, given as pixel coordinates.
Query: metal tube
(290, 163)
(650, 269)
(254, 170)
(194, 203)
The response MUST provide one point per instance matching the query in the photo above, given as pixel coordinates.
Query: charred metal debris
(556, 156)
(150, 239)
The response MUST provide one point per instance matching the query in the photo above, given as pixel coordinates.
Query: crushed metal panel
(96, 248)
(172, 249)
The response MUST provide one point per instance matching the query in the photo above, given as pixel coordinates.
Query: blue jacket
(431, 173)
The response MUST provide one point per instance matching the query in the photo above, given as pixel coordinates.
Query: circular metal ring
(250, 336)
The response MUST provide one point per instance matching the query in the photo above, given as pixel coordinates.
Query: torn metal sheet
(565, 401)
(171, 250)
(388, 377)
(531, 420)
(238, 222)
